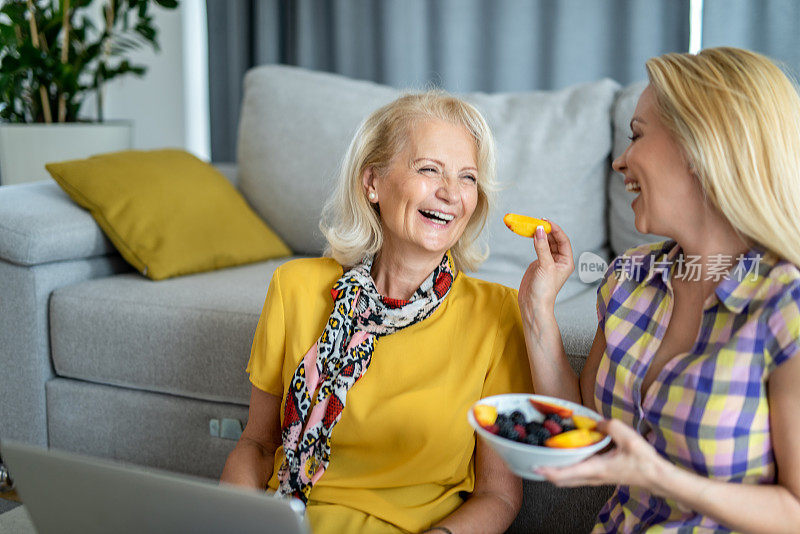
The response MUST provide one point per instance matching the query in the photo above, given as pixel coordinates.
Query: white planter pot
(25, 148)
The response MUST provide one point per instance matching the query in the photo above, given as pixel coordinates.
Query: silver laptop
(66, 493)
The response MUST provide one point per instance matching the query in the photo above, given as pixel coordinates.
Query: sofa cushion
(577, 320)
(187, 336)
(553, 155)
(167, 212)
(622, 231)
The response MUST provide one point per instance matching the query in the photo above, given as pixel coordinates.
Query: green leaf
(167, 4)
(15, 10)
(10, 64)
(146, 31)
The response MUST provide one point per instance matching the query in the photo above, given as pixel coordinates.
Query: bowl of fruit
(532, 431)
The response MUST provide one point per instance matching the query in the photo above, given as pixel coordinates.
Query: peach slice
(547, 408)
(524, 225)
(581, 421)
(484, 414)
(572, 439)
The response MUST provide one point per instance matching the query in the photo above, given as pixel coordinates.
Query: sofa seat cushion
(577, 320)
(139, 427)
(191, 335)
(186, 336)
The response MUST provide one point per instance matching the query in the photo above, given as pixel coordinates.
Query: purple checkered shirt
(707, 410)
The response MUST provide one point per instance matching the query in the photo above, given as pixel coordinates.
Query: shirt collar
(745, 278)
(735, 291)
(657, 264)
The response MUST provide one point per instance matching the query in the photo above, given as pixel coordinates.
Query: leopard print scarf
(337, 360)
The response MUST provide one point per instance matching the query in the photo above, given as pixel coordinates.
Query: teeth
(439, 215)
(633, 187)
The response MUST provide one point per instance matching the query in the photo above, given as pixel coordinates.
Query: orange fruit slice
(581, 421)
(524, 225)
(484, 414)
(572, 439)
(547, 408)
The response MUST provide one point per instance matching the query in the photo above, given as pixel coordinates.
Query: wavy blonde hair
(351, 224)
(737, 116)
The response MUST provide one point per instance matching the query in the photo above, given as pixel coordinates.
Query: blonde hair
(351, 224)
(737, 116)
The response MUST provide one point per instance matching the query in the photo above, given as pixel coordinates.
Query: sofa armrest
(39, 223)
(46, 242)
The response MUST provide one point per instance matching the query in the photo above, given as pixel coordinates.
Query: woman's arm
(495, 501)
(741, 507)
(251, 461)
(550, 370)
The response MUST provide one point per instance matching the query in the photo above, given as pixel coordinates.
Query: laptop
(66, 493)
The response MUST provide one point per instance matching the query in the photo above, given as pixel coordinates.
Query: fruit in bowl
(531, 431)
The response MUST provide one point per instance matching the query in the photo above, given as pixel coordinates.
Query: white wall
(169, 104)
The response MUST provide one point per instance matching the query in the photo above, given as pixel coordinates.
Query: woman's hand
(545, 277)
(633, 462)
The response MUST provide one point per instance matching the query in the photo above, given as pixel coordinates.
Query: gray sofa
(99, 360)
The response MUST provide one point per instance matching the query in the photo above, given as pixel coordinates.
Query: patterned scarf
(337, 360)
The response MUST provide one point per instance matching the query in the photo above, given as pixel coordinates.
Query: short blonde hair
(737, 117)
(350, 222)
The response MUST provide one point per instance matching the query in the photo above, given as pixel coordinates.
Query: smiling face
(429, 191)
(670, 198)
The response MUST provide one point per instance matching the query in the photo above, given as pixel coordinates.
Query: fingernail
(540, 232)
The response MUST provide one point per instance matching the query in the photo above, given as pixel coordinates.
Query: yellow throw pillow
(167, 212)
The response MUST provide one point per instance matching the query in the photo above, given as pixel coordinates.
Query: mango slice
(571, 439)
(546, 409)
(484, 414)
(581, 421)
(524, 225)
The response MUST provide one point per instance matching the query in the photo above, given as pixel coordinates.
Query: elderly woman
(374, 354)
(696, 352)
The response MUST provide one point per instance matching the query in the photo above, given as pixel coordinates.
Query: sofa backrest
(622, 233)
(553, 151)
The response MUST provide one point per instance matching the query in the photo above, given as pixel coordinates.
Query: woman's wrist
(662, 478)
(542, 317)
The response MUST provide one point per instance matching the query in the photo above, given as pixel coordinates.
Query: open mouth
(437, 217)
(632, 186)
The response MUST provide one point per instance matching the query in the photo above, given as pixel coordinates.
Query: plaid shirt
(707, 410)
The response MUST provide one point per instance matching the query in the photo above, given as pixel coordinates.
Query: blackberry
(532, 426)
(537, 435)
(518, 418)
(532, 439)
(505, 428)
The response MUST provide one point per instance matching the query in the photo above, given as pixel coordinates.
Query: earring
(372, 196)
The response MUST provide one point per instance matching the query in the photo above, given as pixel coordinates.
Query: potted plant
(53, 54)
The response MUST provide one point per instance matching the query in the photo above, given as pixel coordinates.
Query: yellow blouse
(403, 452)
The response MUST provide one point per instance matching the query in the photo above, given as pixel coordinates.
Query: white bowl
(522, 458)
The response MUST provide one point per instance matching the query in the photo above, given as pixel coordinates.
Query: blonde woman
(695, 362)
(389, 450)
